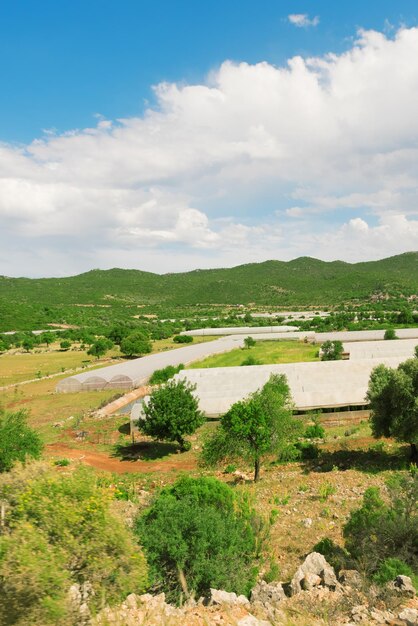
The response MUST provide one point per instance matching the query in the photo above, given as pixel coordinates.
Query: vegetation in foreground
(199, 533)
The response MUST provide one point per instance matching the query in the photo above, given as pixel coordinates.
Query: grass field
(265, 352)
(17, 366)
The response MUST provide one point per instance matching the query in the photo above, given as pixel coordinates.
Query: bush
(199, 534)
(390, 568)
(380, 529)
(163, 375)
(17, 440)
(332, 351)
(250, 360)
(336, 556)
(183, 339)
(390, 334)
(59, 530)
(249, 342)
(314, 431)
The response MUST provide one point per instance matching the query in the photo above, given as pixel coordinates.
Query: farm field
(17, 366)
(264, 352)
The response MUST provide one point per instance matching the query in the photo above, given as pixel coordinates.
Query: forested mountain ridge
(301, 281)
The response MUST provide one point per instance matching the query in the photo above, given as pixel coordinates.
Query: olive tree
(171, 413)
(260, 425)
(332, 351)
(393, 398)
(135, 344)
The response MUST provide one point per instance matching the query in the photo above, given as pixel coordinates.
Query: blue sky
(240, 154)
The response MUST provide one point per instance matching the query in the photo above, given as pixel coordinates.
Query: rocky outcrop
(313, 572)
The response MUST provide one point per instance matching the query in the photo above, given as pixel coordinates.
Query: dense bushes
(381, 529)
(163, 375)
(199, 534)
(183, 339)
(59, 530)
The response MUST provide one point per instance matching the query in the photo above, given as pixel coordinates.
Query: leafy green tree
(197, 534)
(256, 427)
(392, 395)
(135, 344)
(100, 347)
(171, 413)
(332, 351)
(65, 344)
(17, 440)
(46, 338)
(60, 530)
(28, 344)
(117, 334)
(249, 342)
(390, 334)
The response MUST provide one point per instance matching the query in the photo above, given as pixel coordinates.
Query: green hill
(303, 281)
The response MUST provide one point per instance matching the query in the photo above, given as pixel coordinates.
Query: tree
(249, 342)
(392, 395)
(65, 345)
(199, 534)
(100, 347)
(332, 351)
(390, 334)
(28, 343)
(135, 344)
(46, 338)
(255, 427)
(172, 412)
(17, 440)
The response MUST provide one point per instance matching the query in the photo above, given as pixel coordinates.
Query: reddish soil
(104, 462)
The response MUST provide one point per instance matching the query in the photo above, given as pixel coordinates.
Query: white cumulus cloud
(315, 157)
(302, 20)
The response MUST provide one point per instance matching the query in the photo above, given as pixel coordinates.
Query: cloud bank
(318, 157)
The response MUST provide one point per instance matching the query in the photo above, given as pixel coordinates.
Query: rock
(350, 578)
(240, 477)
(219, 596)
(307, 522)
(310, 581)
(314, 563)
(250, 620)
(409, 616)
(382, 617)
(404, 585)
(360, 614)
(268, 593)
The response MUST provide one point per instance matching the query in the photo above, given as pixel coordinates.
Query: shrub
(65, 345)
(315, 431)
(163, 375)
(250, 360)
(183, 339)
(336, 556)
(59, 530)
(390, 334)
(198, 534)
(17, 440)
(249, 342)
(332, 351)
(379, 530)
(389, 569)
